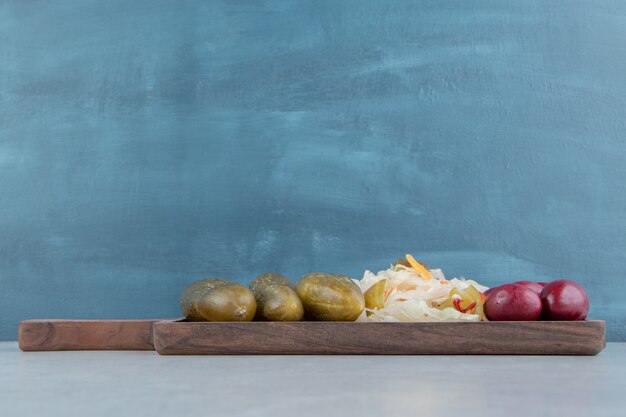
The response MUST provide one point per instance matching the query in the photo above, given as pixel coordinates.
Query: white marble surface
(144, 383)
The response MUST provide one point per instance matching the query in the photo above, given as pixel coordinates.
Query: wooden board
(46, 335)
(443, 338)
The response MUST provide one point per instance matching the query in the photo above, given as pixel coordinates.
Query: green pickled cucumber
(329, 297)
(277, 303)
(215, 299)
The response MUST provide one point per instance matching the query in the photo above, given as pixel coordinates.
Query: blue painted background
(146, 144)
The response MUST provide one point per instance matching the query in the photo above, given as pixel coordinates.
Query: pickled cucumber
(277, 303)
(330, 297)
(215, 299)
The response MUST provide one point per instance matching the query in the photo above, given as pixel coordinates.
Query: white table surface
(144, 383)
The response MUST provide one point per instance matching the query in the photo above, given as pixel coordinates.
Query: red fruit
(537, 287)
(564, 300)
(512, 302)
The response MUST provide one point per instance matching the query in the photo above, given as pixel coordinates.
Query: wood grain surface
(46, 335)
(303, 338)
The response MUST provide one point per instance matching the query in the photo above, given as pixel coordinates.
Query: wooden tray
(347, 338)
(172, 337)
(46, 335)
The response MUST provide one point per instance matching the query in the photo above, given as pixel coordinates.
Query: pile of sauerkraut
(414, 293)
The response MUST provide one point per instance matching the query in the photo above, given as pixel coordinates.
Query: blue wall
(146, 144)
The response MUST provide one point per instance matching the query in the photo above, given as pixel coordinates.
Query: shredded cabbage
(410, 297)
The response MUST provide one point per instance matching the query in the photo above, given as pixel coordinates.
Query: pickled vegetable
(467, 301)
(476, 296)
(216, 299)
(564, 300)
(418, 267)
(330, 297)
(277, 303)
(513, 302)
(375, 296)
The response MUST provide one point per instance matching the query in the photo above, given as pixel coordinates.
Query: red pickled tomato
(564, 300)
(513, 302)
